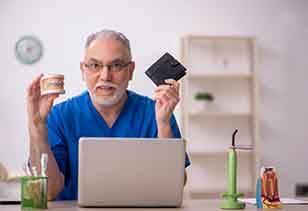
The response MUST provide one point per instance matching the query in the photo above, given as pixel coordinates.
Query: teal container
(34, 192)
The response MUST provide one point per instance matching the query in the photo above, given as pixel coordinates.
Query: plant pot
(207, 105)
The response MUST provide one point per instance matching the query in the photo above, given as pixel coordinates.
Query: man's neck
(111, 113)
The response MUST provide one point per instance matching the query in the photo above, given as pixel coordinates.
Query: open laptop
(131, 172)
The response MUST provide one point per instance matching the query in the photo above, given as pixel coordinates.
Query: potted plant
(205, 97)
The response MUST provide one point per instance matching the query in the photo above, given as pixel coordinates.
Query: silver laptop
(131, 172)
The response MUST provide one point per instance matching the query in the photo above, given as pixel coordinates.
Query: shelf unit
(226, 67)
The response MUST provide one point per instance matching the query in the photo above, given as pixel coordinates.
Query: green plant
(204, 96)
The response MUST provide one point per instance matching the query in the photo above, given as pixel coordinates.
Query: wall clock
(28, 49)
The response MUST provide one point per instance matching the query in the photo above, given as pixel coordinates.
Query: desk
(195, 205)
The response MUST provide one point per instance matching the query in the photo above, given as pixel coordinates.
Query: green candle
(232, 165)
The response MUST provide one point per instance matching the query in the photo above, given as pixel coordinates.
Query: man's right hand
(38, 106)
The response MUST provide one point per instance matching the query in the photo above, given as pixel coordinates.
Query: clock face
(28, 50)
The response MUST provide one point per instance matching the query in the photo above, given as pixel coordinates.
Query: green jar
(34, 192)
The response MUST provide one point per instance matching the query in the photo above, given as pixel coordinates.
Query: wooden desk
(195, 205)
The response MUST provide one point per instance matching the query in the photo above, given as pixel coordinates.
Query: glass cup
(34, 192)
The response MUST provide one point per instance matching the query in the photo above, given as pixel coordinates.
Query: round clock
(28, 49)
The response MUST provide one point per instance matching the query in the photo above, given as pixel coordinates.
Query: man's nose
(105, 74)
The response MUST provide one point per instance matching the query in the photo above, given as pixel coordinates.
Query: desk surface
(195, 205)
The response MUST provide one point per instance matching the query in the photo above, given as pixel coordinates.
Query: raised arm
(38, 108)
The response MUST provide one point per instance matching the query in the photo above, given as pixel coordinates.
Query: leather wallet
(165, 67)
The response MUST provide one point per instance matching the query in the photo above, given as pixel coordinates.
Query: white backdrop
(154, 27)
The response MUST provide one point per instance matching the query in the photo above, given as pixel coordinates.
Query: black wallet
(164, 68)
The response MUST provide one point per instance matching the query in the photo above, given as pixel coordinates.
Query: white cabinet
(225, 67)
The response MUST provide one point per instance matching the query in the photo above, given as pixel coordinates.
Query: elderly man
(106, 109)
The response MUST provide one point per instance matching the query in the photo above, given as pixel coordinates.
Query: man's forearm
(164, 130)
(38, 146)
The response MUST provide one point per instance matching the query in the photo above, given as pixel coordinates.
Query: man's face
(106, 71)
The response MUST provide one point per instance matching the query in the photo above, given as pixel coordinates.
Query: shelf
(199, 76)
(224, 66)
(204, 193)
(218, 114)
(196, 153)
(202, 37)
(199, 153)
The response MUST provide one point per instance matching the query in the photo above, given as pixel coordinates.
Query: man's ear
(131, 70)
(82, 71)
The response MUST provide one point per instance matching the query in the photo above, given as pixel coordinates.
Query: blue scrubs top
(77, 117)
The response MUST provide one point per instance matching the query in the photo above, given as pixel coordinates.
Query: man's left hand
(167, 97)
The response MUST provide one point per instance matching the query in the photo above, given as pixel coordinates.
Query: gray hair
(106, 33)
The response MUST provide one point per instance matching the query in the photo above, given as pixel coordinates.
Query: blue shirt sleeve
(56, 141)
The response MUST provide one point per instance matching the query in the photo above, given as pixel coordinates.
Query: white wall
(153, 28)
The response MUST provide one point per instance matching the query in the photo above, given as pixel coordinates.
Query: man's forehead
(108, 43)
(98, 60)
(105, 58)
(105, 49)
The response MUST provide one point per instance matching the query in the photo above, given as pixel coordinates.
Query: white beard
(117, 96)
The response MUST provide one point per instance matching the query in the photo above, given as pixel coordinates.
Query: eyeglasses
(113, 67)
